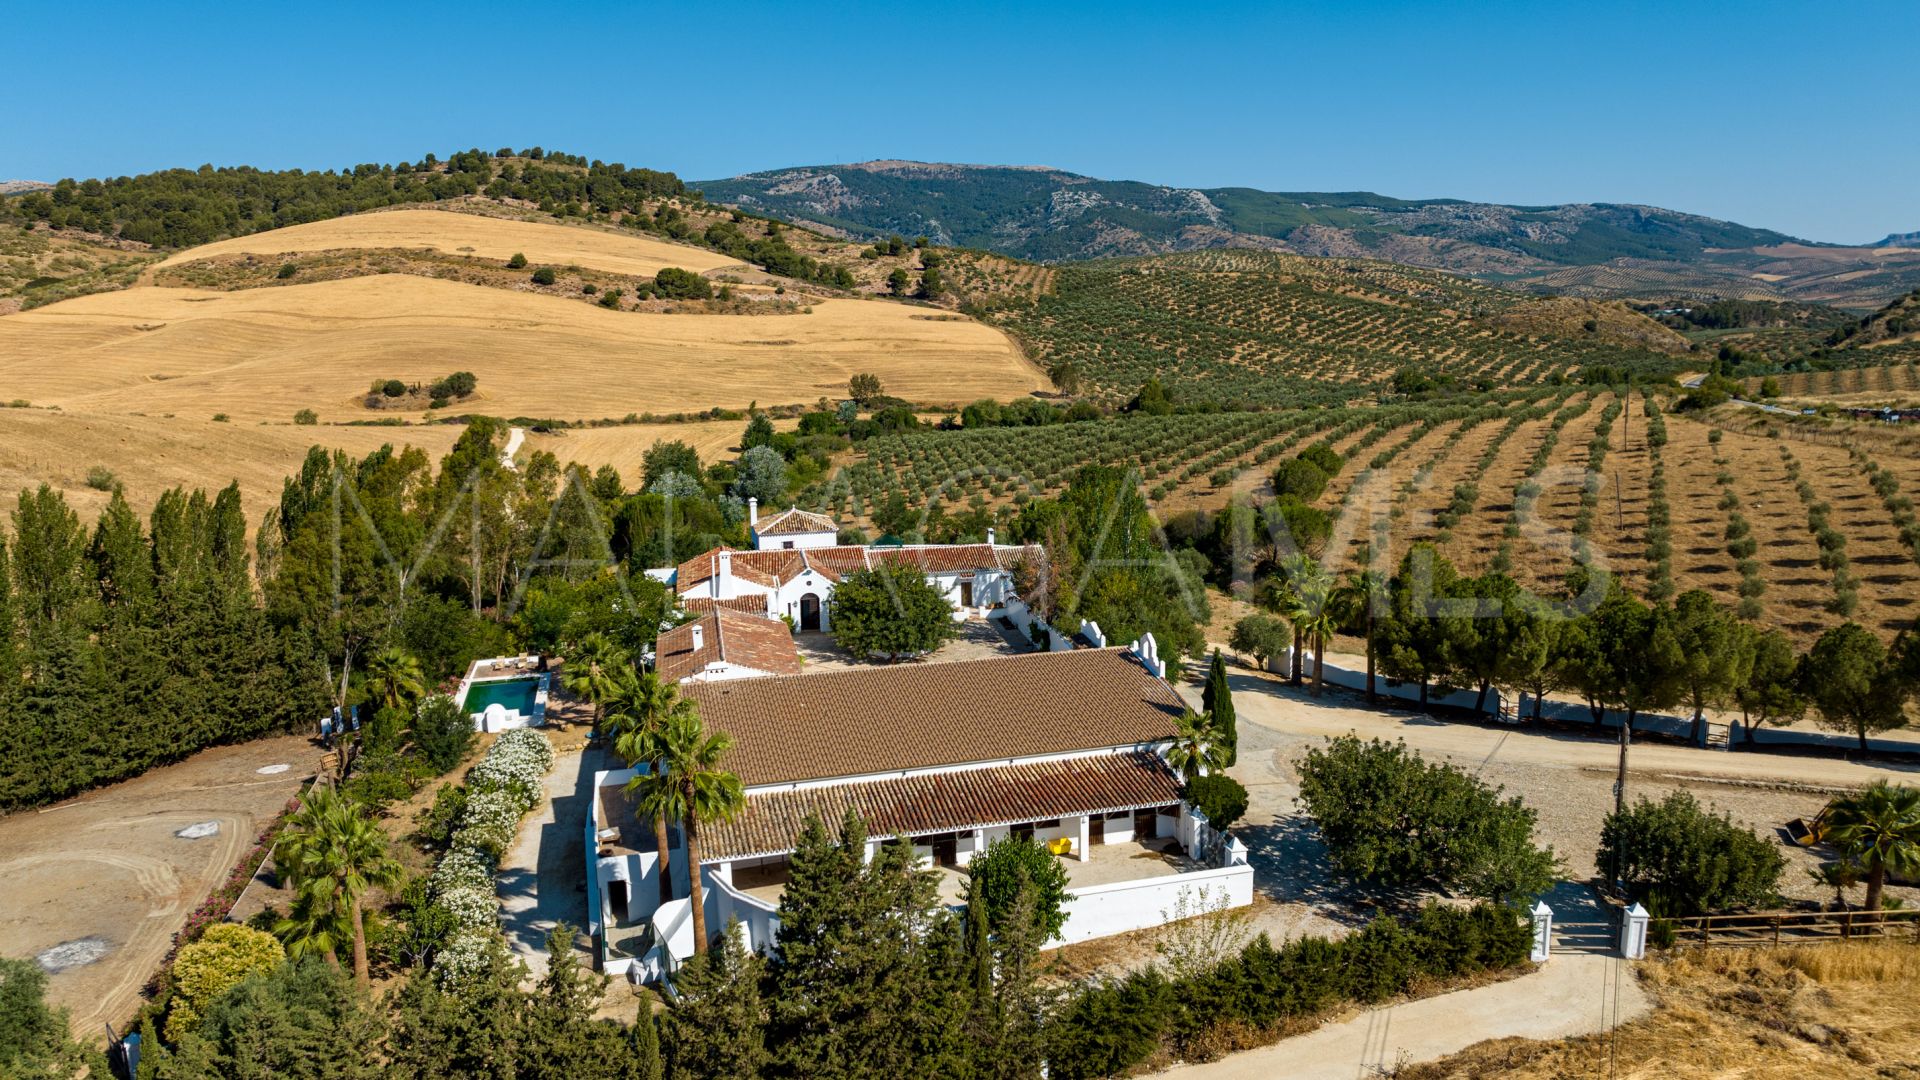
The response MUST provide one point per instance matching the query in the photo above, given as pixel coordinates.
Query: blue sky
(1795, 116)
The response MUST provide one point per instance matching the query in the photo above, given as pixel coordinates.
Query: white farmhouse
(790, 529)
(726, 644)
(797, 582)
(1067, 748)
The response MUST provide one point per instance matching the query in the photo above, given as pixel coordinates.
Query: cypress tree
(1217, 700)
(122, 563)
(50, 573)
(643, 1047)
(9, 630)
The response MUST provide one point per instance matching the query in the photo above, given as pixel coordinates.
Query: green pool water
(515, 695)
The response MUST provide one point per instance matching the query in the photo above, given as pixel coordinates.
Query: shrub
(286, 271)
(1392, 819)
(306, 418)
(1009, 864)
(438, 823)
(442, 731)
(206, 969)
(1219, 796)
(1680, 859)
(101, 478)
(517, 262)
(1109, 1026)
(544, 276)
(673, 283)
(219, 418)
(457, 385)
(1299, 478)
(1324, 456)
(393, 388)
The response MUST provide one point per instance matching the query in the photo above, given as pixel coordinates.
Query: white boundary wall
(1100, 910)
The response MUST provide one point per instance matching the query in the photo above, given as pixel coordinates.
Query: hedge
(1257, 996)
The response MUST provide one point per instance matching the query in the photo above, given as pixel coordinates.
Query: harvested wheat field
(1834, 1011)
(149, 454)
(455, 233)
(268, 353)
(623, 446)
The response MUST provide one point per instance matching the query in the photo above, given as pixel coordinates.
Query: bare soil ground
(1837, 1010)
(105, 880)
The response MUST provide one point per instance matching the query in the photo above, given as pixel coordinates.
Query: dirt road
(1573, 994)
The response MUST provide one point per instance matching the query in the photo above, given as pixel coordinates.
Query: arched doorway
(810, 612)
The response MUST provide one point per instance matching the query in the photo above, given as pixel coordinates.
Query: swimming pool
(513, 695)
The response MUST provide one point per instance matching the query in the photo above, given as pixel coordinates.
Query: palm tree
(639, 704)
(1357, 600)
(1879, 829)
(691, 756)
(394, 677)
(1310, 604)
(592, 665)
(1196, 746)
(330, 853)
(1839, 876)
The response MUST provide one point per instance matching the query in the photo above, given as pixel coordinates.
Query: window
(1022, 832)
(786, 543)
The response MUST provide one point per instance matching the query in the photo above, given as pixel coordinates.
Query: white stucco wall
(1123, 906)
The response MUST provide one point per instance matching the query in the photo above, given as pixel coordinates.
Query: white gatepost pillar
(1080, 849)
(1542, 932)
(1633, 933)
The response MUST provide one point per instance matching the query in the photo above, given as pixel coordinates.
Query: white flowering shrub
(501, 789)
(515, 763)
(464, 957)
(490, 820)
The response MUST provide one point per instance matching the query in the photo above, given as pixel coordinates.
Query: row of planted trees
(1429, 625)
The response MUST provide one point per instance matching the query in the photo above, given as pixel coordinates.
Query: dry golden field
(149, 454)
(1838, 1011)
(268, 353)
(455, 233)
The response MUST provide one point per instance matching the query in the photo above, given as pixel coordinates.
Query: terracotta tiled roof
(792, 520)
(752, 641)
(889, 719)
(771, 569)
(941, 802)
(765, 568)
(835, 563)
(752, 604)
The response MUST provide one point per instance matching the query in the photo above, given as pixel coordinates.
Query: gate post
(1633, 933)
(1542, 932)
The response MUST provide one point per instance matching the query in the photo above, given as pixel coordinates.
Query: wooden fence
(1790, 927)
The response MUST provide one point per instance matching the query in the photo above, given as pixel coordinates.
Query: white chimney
(723, 574)
(753, 512)
(699, 637)
(989, 536)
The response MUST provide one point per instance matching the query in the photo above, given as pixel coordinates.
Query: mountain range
(1581, 249)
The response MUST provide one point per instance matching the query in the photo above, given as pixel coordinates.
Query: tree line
(1430, 625)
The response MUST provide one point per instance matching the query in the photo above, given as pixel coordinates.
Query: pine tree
(850, 960)
(474, 1028)
(303, 1021)
(715, 1023)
